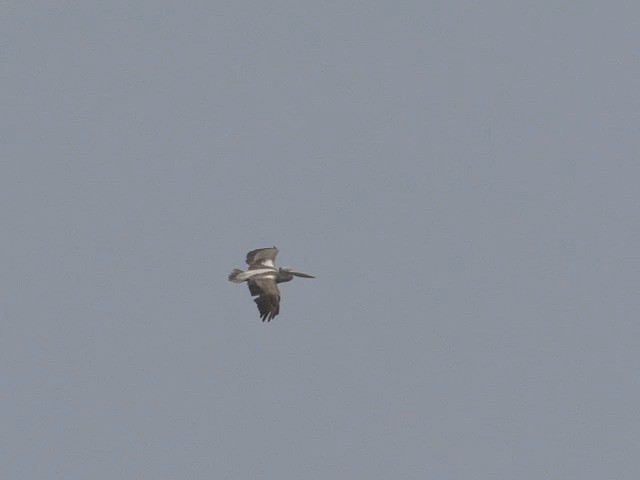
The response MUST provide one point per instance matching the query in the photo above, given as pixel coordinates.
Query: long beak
(300, 274)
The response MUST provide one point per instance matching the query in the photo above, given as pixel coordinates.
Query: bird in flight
(263, 278)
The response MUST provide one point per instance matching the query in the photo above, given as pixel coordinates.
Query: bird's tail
(233, 276)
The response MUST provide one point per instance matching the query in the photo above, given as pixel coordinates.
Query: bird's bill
(300, 274)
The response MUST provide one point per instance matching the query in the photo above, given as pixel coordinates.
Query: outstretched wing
(262, 257)
(268, 301)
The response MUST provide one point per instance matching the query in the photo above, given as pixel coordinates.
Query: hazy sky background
(462, 178)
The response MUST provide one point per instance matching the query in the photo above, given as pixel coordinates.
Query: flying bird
(263, 278)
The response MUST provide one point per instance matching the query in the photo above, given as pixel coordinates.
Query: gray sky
(461, 177)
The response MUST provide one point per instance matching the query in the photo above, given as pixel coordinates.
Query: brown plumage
(263, 278)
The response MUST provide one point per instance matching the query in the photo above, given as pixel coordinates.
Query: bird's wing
(262, 257)
(268, 301)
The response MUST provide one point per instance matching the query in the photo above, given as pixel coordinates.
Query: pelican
(263, 278)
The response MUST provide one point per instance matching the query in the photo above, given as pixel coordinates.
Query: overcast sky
(460, 176)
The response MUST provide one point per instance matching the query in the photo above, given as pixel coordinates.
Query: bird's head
(291, 272)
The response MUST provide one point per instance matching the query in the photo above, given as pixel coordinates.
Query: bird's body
(263, 278)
